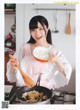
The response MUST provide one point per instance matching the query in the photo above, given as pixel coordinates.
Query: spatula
(28, 81)
(68, 28)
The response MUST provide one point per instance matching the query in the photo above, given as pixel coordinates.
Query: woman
(55, 73)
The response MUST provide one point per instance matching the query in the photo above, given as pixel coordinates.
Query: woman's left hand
(53, 58)
(58, 63)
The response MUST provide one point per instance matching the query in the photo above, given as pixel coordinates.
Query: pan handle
(38, 80)
(13, 94)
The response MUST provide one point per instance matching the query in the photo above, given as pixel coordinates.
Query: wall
(64, 42)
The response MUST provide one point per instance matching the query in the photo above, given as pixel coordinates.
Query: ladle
(56, 30)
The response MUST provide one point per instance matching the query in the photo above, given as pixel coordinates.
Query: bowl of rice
(42, 54)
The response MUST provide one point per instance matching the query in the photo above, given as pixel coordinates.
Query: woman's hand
(53, 58)
(14, 64)
(58, 63)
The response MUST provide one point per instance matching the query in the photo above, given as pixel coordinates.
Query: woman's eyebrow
(40, 26)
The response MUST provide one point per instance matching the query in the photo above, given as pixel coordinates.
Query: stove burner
(62, 97)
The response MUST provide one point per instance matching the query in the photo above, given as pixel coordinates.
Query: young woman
(55, 73)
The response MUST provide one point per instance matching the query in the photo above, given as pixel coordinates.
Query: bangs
(33, 25)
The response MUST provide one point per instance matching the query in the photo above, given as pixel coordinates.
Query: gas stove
(63, 97)
(58, 97)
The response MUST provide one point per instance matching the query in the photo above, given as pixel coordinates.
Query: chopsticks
(28, 81)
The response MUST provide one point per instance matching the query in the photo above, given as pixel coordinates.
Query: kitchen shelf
(10, 11)
(54, 9)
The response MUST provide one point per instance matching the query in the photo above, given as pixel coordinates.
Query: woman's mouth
(38, 38)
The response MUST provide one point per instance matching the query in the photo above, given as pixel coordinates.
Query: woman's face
(40, 33)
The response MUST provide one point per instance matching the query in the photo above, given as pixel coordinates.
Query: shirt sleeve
(19, 78)
(11, 75)
(59, 79)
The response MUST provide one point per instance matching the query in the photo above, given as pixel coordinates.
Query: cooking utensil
(24, 89)
(68, 28)
(28, 81)
(41, 54)
(55, 29)
(12, 94)
(38, 80)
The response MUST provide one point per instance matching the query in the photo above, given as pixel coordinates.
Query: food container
(42, 54)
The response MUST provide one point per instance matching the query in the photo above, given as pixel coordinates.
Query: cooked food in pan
(34, 96)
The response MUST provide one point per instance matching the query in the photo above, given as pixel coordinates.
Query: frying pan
(24, 89)
(18, 93)
(38, 88)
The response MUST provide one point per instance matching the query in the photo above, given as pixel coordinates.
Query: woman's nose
(37, 32)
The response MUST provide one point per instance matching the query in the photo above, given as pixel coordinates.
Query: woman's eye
(41, 28)
(32, 30)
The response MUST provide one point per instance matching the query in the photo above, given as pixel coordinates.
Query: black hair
(33, 24)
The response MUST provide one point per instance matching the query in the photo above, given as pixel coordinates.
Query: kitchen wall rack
(60, 7)
(54, 9)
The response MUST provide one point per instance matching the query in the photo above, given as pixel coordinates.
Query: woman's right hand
(14, 64)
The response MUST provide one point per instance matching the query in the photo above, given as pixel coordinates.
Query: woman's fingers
(13, 62)
(52, 58)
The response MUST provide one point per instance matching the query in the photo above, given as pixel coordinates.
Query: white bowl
(41, 54)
